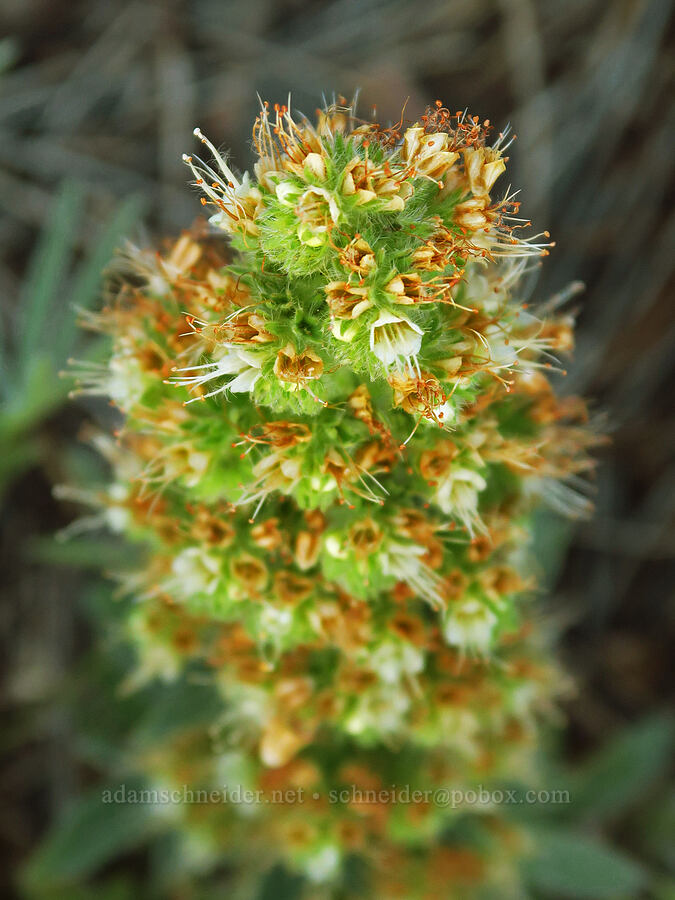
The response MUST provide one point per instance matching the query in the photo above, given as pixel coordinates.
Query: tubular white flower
(404, 562)
(503, 353)
(323, 864)
(196, 571)
(395, 339)
(460, 728)
(381, 708)
(457, 494)
(469, 624)
(122, 379)
(444, 414)
(237, 200)
(127, 382)
(245, 364)
(394, 660)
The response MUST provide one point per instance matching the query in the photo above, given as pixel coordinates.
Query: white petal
(244, 382)
(250, 357)
(388, 318)
(397, 337)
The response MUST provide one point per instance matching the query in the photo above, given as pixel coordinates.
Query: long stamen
(219, 159)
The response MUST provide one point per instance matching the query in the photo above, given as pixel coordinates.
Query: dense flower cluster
(337, 420)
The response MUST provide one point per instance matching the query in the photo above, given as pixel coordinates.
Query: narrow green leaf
(655, 829)
(621, 772)
(48, 264)
(581, 868)
(551, 536)
(40, 393)
(87, 279)
(90, 834)
(116, 888)
(182, 705)
(280, 884)
(83, 552)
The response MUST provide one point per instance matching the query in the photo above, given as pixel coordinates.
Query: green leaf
(655, 829)
(46, 324)
(663, 889)
(577, 866)
(87, 279)
(39, 393)
(44, 331)
(551, 535)
(181, 705)
(118, 888)
(86, 553)
(280, 884)
(620, 773)
(90, 834)
(46, 270)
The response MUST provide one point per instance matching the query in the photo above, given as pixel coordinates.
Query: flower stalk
(338, 420)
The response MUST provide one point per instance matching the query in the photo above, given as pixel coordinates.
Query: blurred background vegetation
(97, 102)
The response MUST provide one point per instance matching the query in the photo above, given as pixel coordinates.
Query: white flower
(323, 864)
(523, 699)
(273, 621)
(335, 547)
(179, 461)
(404, 563)
(457, 494)
(155, 661)
(245, 364)
(122, 379)
(247, 711)
(127, 382)
(460, 729)
(443, 414)
(393, 660)
(503, 353)
(238, 201)
(250, 702)
(117, 514)
(196, 571)
(394, 339)
(381, 709)
(477, 292)
(242, 199)
(469, 623)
